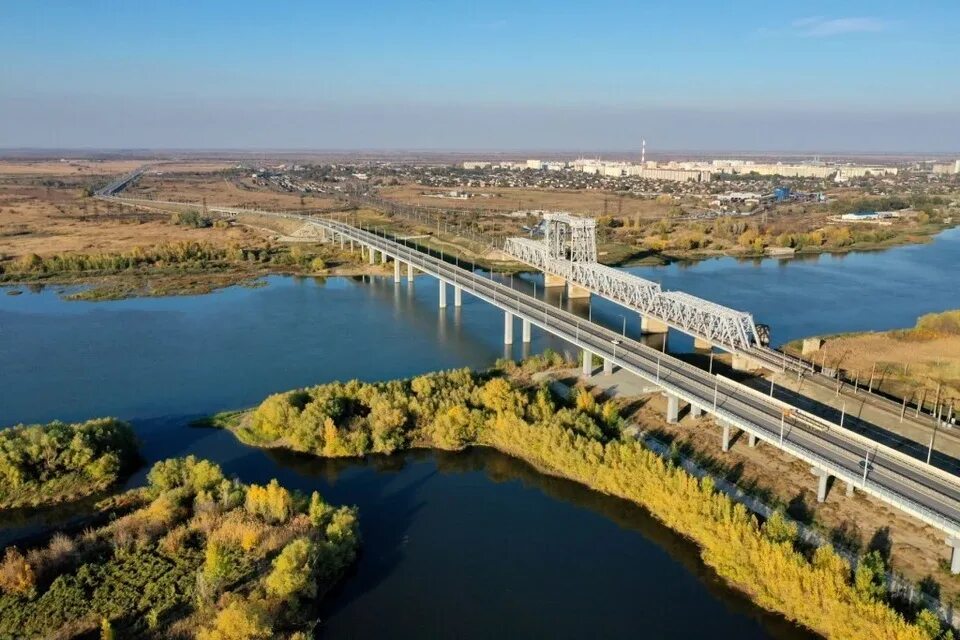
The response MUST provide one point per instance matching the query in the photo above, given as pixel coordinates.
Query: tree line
(582, 441)
(45, 464)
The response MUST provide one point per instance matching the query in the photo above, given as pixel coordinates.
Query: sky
(740, 75)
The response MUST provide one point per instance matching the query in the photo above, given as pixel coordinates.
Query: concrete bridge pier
(607, 366)
(550, 280)
(652, 325)
(525, 328)
(823, 479)
(850, 489)
(342, 242)
(372, 254)
(954, 544)
(587, 363)
(752, 440)
(507, 327)
(743, 363)
(457, 296)
(396, 271)
(575, 292)
(409, 273)
(673, 408)
(725, 442)
(695, 411)
(443, 294)
(702, 345)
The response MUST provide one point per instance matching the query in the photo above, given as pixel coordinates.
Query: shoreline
(120, 286)
(731, 543)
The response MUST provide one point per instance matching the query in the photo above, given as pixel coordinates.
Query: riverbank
(630, 256)
(457, 409)
(177, 269)
(920, 363)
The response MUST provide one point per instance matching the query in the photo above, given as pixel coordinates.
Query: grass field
(906, 362)
(70, 168)
(593, 203)
(217, 188)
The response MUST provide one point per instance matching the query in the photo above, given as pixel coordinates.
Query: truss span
(719, 325)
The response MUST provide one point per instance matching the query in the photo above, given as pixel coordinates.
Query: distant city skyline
(828, 77)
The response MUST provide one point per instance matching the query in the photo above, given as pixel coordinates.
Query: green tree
(870, 578)
(929, 623)
(779, 528)
(292, 576)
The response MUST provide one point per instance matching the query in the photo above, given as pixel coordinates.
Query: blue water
(469, 545)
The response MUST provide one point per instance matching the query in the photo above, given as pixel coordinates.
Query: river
(467, 545)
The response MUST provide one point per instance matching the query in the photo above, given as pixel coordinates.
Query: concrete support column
(575, 292)
(550, 280)
(752, 440)
(443, 294)
(850, 488)
(954, 544)
(396, 271)
(743, 363)
(822, 479)
(695, 411)
(526, 330)
(341, 242)
(410, 273)
(587, 363)
(372, 254)
(725, 442)
(457, 296)
(673, 408)
(703, 345)
(607, 366)
(652, 325)
(507, 327)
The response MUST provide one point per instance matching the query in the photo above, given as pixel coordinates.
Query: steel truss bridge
(569, 251)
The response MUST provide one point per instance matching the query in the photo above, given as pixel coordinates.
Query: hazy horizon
(864, 77)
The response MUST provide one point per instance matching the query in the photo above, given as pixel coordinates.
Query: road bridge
(907, 483)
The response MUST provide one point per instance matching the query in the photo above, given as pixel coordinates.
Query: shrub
(239, 620)
(292, 575)
(16, 574)
(273, 503)
(189, 473)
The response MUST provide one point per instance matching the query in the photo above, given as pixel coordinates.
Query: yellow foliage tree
(239, 620)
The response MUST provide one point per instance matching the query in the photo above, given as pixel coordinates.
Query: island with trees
(583, 441)
(42, 465)
(192, 554)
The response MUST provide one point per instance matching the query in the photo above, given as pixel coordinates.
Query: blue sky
(738, 75)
